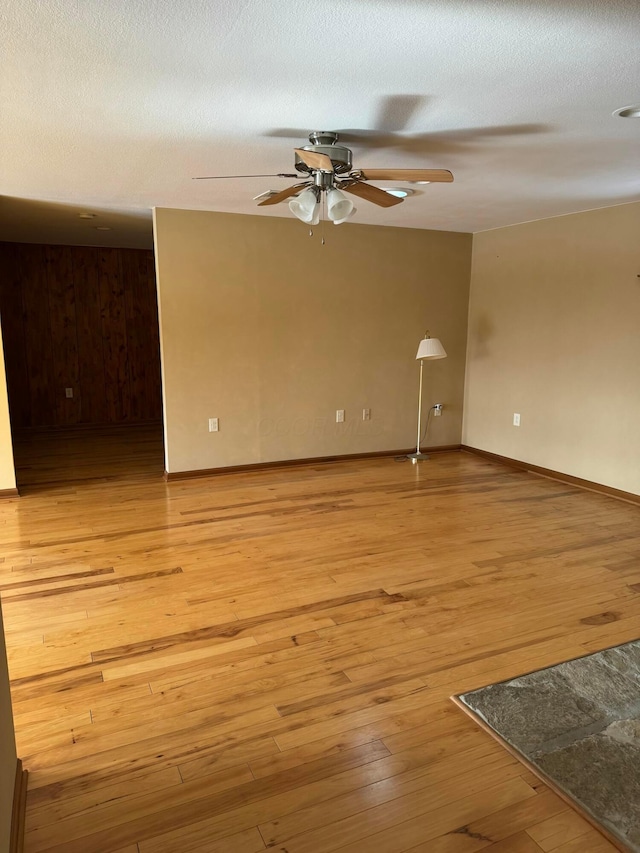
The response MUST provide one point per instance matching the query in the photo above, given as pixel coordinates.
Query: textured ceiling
(113, 106)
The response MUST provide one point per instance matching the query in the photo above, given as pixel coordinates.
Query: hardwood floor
(45, 457)
(255, 660)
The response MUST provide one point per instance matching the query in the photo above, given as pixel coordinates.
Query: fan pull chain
(322, 219)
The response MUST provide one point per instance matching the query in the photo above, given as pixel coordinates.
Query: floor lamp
(429, 348)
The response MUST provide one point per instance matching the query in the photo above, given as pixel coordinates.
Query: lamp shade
(431, 348)
(339, 208)
(348, 216)
(306, 207)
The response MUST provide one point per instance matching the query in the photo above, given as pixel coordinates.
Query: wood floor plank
(558, 829)
(415, 778)
(591, 841)
(399, 825)
(264, 659)
(520, 843)
(197, 841)
(51, 811)
(507, 825)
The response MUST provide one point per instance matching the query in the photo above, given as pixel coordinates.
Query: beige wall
(7, 739)
(7, 470)
(271, 332)
(554, 334)
(7, 748)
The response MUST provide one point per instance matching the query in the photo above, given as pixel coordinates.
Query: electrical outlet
(516, 419)
(339, 416)
(68, 393)
(213, 425)
(366, 414)
(437, 410)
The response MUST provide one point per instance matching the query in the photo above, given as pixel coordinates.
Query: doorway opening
(82, 354)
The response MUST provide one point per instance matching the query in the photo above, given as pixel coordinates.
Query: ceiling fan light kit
(306, 206)
(329, 169)
(348, 216)
(339, 208)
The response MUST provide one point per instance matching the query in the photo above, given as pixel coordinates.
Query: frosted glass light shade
(348, 216)
(339, 207)
(306, 207)
(431, 348)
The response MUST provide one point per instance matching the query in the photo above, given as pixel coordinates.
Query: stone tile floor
(579, 723)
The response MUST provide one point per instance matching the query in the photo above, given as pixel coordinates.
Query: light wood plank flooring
(264, 660)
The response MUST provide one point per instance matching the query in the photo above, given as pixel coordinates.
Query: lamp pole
(429, 348)
(419, 410)
(414, 457)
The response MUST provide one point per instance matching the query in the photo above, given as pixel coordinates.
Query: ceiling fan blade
(370, 193)
(431, 175)
(451, 142)
(283, 194)
(314, 160)
(288, 132)
(368, 138)
(219, 177)
(396, 111)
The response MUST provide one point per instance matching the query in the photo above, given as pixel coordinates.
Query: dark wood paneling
(142, 318)
(81, 318)
(64, 338)
(13, 334)
(114, 336)
(152, 363)
(35, 298)
(89, 331)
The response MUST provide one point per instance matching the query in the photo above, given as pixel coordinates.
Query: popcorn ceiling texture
(116, 106)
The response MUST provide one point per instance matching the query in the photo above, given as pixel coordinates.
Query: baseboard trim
(289, 463)
(19, 809)
(9, 493)
(590, 486)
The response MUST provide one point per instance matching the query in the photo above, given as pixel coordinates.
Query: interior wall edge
(520, 465)
(18, 814)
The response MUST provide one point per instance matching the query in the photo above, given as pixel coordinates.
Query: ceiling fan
(328, 167)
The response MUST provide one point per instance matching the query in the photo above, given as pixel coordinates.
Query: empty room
(319, 447)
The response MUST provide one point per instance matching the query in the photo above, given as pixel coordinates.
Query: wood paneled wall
(83, 318)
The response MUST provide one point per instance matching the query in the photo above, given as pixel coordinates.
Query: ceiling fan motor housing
(324, 142)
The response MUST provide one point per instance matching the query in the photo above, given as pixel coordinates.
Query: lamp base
(417, 457)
